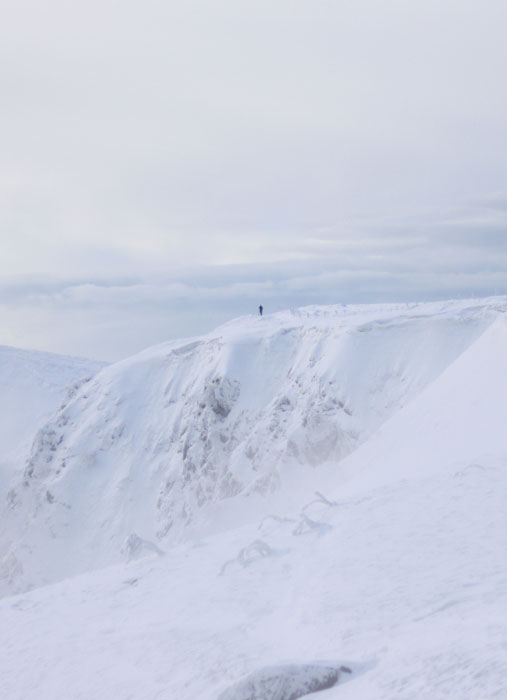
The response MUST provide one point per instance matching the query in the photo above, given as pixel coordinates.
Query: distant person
(260, 310)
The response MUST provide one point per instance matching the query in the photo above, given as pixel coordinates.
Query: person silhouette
(260, 310)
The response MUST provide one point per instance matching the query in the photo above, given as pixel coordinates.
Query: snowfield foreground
(335, 502)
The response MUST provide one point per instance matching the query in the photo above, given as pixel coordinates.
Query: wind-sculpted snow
(287, 682)
(402, 579)
(32, 386)
(136, 547)
(192, 437)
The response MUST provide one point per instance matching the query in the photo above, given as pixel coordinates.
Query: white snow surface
(33, 385)
(319, 487)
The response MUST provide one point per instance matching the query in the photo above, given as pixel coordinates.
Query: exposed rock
(287, 682)
(135, 547)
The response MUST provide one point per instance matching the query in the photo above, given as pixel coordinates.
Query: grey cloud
(496, 201)
(114, 319)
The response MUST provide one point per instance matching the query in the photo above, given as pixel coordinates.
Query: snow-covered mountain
(359, 541)
(33, 384)
(189, 437)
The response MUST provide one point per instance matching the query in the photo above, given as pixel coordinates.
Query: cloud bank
(167, 166)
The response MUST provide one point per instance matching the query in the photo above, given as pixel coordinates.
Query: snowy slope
(195, 436)
(397, 570)
(33, 385)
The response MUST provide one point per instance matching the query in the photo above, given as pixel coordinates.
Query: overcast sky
(168, 165)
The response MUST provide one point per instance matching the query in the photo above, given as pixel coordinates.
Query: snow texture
(176, 441)
(287, 682)
(33, 385)
(380, 542)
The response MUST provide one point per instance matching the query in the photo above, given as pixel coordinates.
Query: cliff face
(183, 437)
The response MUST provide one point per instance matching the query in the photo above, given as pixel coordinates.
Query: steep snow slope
(195, 435)
(32, 387)
(462, 416)
(398, 571)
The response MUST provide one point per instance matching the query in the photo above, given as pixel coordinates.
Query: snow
(379, 547)
(33, 385)
(286, 682)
